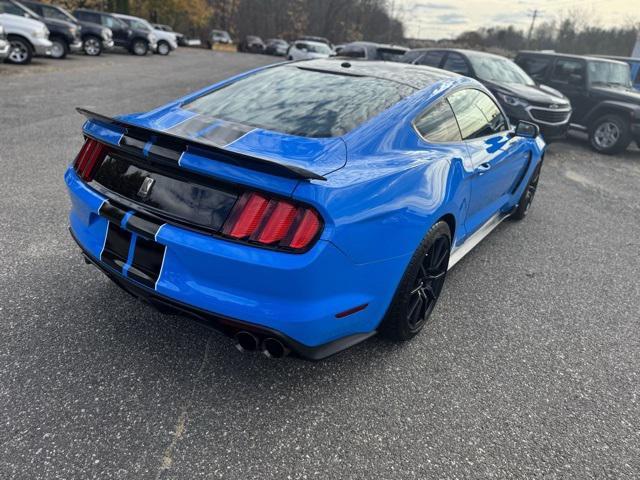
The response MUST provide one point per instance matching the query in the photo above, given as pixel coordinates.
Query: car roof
(377, 45)
(462, 51)
(312, 42)
(567, 55)
(416, 76)
(618, 57)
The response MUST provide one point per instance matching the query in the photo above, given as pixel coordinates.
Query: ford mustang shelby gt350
(304, 206)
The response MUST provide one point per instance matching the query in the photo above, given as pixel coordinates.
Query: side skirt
(459, 252)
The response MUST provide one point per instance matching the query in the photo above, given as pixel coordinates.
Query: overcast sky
(447, 18)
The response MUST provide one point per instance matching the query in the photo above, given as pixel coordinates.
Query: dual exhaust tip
(270, 347)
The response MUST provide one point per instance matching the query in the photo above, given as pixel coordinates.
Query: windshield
(138, 23)
(499, 70)
(390, 54)
(318, 48)
(17, 9)
(609, 73)
(301, 102)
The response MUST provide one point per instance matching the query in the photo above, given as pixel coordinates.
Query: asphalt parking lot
(529, 368)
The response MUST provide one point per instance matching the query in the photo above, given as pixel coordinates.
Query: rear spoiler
(170, 146)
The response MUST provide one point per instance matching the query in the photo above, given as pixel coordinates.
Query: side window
(110, 22)
(477, 115)
(535, 67)
(35, 8)
(568, 71)
(438, 124)
(301, 46)
(431, 59)
(637, 80)
(353, 52)
(87, 17)
(456, 63)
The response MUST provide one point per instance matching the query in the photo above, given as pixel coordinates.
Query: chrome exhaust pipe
(245, 341)
(274, 348)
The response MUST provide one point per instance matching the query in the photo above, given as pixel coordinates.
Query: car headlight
(514, 101)
(73, 31)
(41, 33)
(106, 33)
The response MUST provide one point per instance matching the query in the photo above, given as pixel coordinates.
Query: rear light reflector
(272, 222)
(89, 159)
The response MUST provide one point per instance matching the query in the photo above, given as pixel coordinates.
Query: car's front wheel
(420, 286)
(140, 48)
(610, 134)
(164, 48)
(59, 48)
(20, 51)
(92, 46)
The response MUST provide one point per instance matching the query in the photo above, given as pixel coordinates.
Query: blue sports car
(305, 206)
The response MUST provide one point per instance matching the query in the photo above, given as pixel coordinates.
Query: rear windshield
(301, 102)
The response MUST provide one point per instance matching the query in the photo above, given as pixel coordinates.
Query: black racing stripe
(116, 247)
(111, 213)
(142, 226)
(147, 261)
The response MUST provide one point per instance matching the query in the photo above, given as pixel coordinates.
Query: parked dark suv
(604, 102)
(519, 95)
(64, 35)
(95, 38)
(138, 42)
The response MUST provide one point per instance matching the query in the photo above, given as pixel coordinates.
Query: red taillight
(272, 222)
(90, 157)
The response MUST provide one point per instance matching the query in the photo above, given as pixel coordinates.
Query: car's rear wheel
(20, 51)
(524, 204)
(92, 46)
(420, 286)
(59, 48)
(140, 48)
(164, 48)
(610, 134)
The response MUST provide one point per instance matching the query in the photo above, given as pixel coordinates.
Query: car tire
(610, 134)
(420, 286)
(140, 48)
(59, 48)
(163, 48)
(20, 52)
(526, 199)
(92, 46)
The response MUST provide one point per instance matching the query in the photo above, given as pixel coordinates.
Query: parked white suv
(304, 50)
(26, 37)
(4, 44)
(166, 41)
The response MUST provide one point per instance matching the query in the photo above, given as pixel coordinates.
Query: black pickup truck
(601, 92)
(95, 38)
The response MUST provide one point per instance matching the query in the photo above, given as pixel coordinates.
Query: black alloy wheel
(428, 284)
(420, 286)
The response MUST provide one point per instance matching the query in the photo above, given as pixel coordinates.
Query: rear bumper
(295, 297)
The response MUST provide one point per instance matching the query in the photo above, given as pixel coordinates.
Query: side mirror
(527, 129)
